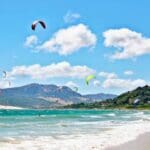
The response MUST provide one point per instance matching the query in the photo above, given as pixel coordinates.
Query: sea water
(70, 129)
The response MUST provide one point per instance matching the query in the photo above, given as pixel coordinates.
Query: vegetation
(124, 101)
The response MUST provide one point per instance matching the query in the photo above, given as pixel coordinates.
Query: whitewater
(70, 129)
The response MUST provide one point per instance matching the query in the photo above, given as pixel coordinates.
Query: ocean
(70, 129)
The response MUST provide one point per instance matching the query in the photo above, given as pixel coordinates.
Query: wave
(111, 115)
(97, 141)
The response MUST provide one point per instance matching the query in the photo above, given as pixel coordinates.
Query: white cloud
(126, 84)
(61, 69)
(128, 72)
(96, 83)
(129, 43)
(71, 84)
(107, 75)
(4, 84)
(69, 40)
(113, 81)
(71, 17)
(31, 41)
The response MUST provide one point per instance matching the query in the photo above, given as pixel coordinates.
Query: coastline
(142, 142)
(73, 130)
(9, 107)
(112, 139)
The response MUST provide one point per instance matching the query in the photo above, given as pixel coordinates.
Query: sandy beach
(9, 107)
(142, 142)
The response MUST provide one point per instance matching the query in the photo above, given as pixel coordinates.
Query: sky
(109, 39)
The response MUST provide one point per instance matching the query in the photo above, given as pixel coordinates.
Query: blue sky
(127, 21)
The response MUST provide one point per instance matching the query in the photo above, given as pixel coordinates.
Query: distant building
(136, 101)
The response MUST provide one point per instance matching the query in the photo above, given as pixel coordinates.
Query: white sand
(142, 142)
(9, 107)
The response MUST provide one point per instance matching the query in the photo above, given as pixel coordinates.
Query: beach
(74, 129)
(9, 107)
(142, 142)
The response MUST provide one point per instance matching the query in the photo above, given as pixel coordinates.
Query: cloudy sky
(107, 38)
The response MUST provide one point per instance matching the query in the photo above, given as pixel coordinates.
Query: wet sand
(141, 143)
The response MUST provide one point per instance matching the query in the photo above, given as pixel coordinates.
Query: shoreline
(138, 109)
(142, 142)
(110, 130)
(9, 107)
(114, 139)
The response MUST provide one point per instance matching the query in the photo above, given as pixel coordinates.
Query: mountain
(43, 96)
(138, 98)
(99, 97)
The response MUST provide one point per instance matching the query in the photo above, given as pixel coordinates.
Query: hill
(141, 93)
(43, 96)
(138, 98)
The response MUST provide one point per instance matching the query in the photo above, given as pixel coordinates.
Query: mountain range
(46, 96)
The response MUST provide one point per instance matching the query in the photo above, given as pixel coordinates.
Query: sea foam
(99, 141)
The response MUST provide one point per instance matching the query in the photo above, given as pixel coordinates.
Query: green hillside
(138, 98)
(141, 93)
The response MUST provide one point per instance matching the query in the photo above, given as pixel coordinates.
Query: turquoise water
(55, 123)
